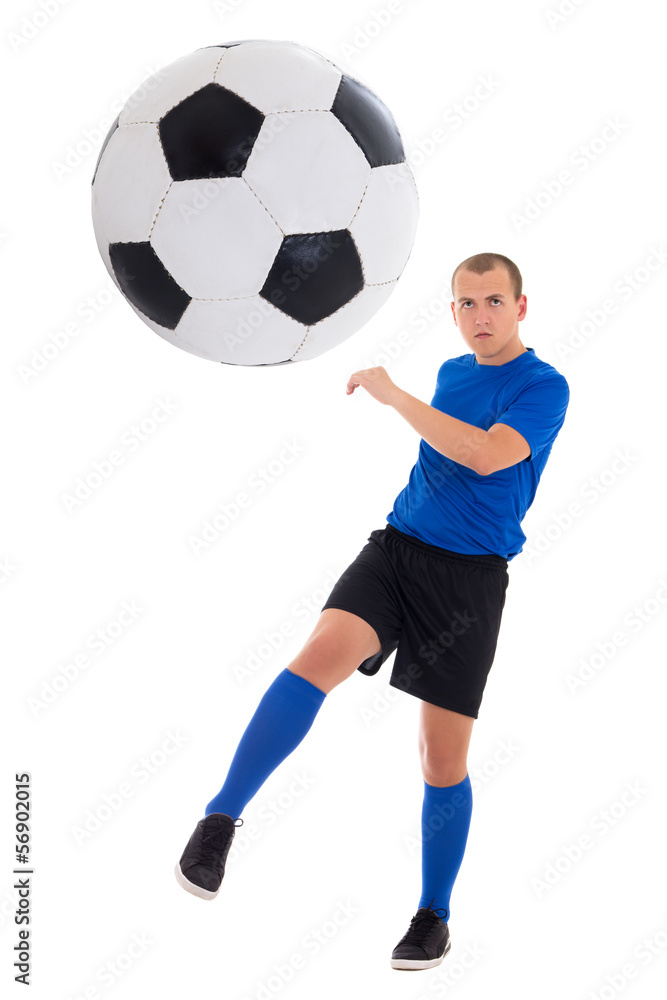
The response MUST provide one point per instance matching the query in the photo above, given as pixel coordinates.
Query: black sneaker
(425, 943)
(202, 863)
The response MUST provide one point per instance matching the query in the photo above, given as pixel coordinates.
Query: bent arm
(482, 451)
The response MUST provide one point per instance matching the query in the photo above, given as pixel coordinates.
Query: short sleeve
(538, 412)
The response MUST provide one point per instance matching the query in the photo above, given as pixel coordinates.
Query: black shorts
(439, 610)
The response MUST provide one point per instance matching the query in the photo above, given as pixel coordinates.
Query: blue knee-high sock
(446, 816)
(281, 720)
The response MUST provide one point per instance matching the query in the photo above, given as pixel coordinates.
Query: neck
(509, 352)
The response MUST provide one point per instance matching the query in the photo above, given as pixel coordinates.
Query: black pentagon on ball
(147, 284)
(209, 134)
(104, 146)
(369, 121)
(313, 275)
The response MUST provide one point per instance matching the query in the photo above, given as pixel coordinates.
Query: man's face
(488, 315)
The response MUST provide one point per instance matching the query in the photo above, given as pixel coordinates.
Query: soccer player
(430, 586)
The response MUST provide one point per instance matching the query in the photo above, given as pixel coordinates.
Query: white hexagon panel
(253, 203)
(279, 76)
(293, 172)
(132, 179)
(223, 215)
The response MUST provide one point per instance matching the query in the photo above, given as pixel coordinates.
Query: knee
(323, 662)
(442, 768)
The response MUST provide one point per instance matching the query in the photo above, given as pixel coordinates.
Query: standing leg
(444, 737)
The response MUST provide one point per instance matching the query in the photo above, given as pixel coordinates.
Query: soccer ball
(253, 203)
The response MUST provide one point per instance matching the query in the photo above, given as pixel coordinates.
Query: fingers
(367, 377)
(354, 381)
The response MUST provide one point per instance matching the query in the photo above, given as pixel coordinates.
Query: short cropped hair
(480, 263)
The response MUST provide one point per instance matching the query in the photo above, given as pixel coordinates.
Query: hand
(376, 381)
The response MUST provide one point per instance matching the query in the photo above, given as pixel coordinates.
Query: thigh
(370, 589)
(450, 633)
(339, 642)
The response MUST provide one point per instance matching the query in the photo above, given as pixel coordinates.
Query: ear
(523, 307)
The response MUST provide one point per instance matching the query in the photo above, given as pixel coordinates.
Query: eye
(496, 300)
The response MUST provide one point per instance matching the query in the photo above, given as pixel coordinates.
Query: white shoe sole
(196, 890)
(408, 963)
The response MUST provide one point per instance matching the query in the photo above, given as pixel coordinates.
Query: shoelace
(213, 842)
(425, 919)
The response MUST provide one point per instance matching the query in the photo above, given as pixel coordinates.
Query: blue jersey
(449, 505)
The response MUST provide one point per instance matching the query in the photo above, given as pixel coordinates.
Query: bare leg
(444, 738)
(339, 643)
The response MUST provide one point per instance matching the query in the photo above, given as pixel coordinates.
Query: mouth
(482, 336)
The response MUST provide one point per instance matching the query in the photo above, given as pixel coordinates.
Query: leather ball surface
(253, 203)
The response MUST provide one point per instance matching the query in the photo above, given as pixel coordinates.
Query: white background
(547, 760)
